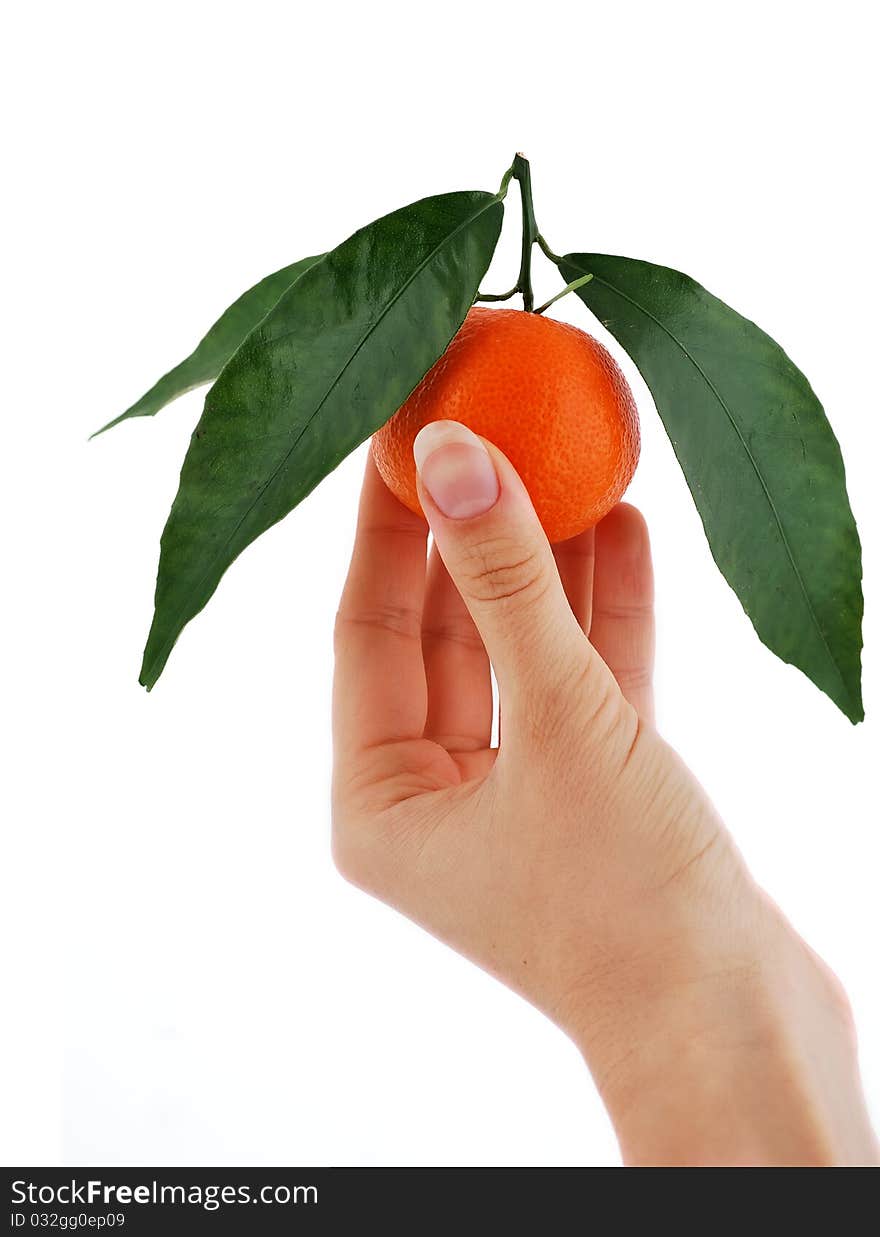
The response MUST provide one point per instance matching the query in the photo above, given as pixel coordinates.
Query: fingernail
(456, 469)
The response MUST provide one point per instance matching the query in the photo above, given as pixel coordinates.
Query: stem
(497, 296)
(521, 172)
(571, 287)
(546, 250)
(505, 181)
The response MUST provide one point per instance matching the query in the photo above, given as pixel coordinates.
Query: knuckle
(458, 630)
(635, 612)
(633, 679)
(366, 827)
(351, 829)
(398, 620)
(344, 858)
(343, 831)
(500, 570)
(352, 849)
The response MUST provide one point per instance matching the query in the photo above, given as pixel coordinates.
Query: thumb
(498, 556)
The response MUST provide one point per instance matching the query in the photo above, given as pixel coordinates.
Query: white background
(189, 980)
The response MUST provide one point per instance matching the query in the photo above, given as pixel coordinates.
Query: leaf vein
(771, 504)
(167, 644)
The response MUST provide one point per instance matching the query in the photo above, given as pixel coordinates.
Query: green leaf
(334, 359)
(225, 336)
(759, 456)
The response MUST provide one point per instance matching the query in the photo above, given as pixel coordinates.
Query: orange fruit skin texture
(547, 394)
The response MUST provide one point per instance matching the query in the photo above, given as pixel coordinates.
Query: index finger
(379, 693)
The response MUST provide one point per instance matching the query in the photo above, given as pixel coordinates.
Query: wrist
(736, 1049)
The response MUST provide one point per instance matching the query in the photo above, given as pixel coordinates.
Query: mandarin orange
(547, 394)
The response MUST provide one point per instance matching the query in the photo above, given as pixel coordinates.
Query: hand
(580, 862)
